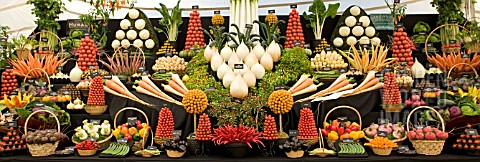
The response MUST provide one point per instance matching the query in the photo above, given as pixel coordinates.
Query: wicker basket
(95, 110)
(103, 143)
(175, 154)
(393, 107)
(310, 141)
(398, 141)
(160, 141)
(49, 46)
(330, 143)
(382, 151)
(45, 78)
(295, 154)
(47, 149)
(427, 147)
(138, 145)
(87, 152)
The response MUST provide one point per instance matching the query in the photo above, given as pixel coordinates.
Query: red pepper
(341, 130)
(334, 128)
(348, 130)
(324, 132)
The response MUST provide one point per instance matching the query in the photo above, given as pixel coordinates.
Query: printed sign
(76, 24)
(382, 21)
(293, 133)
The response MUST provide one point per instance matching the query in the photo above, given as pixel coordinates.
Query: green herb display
(62, 116)
(47, 12)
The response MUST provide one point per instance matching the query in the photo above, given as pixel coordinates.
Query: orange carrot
(305, 84)
(339, 85)
(114, 86)
(177, 87)
(367, 85)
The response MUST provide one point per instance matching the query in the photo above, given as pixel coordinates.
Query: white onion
(357, 31)
(226, 52)
(133, 13)
(115, 44)
(351, 40)
(350, 21)
(228, 78)
(140, 24)
(370, 31)
(258, 50)
(149, 43)
(355, 11)
(138, 43)
(125, 43)
(250, 78)
(338, 42)
(258, 70)
(222, 70)
(365, 20)
(131, 34)
(120, 34)
(217, 60)
(344, 31)
(124, 24)
(267, 61)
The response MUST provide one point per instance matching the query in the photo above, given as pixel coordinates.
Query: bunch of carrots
(364, 63)
(304, 85)
(176, 86)
(339, 85)
(115, 86)
(446, 62)
(29, 67)
(146, 86)
(123, 64)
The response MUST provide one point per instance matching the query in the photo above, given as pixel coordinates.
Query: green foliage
(62, 116)
(270, 32)
(318, 14)
(218, 38)
(169, 23)
(448, 10)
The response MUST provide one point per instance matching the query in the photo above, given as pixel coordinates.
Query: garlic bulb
(418, 71)
(70, 105)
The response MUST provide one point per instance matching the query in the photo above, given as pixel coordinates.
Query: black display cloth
(132, 158)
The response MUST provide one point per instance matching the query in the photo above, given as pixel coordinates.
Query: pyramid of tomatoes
(9, 82)
(402, 47)
(294, 30)
(96, 95)
(270, 128)
(87, 54)
(306, 125)
(204, 130)
(391, 92)
(194, 34)
(11, 141)
(165, 124)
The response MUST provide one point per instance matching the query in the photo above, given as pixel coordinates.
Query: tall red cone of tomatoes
(294, 30)
(194, 34)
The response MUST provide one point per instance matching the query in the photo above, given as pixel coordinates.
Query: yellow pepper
(361, 134)
(354, 135)
(355, 124)
(142, 132)
(116, 132)
(333, 136)
(144, 125)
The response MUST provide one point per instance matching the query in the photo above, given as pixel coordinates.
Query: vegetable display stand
(295, 154)
(330, 143)
(175, 154)
(38, 150)
(87, 152)
(428, 147)
(236, 150)
(382, 151)
(47, 49)
(137, 145)
(103, 143)
(95, 110)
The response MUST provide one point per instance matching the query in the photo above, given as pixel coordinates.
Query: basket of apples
(87, 148)
(337, 131)
(428, 140)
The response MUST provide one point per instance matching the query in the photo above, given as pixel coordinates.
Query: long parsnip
(108, 90)
(171, 90)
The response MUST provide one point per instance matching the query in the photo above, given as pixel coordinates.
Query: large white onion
(242, 51)
(140, 24)
(250, 59)
(217, 60)
(226, 52)
(250, 78)
(238, 88)
(233, 60)
(266, 61)
(222, 70)
(258, 50)
(133, 13)
(274, 50)
(258, 70)
(120, 34)
(228, 78)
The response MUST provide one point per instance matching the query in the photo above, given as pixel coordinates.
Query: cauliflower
(125, 43)
(124, 24)
(355, 11)
(140, 24)
(138, 43)
(131, 34)
(115, 44)
(338, 42)
(350, 21)
(370, 31)
(365, 20)
(351, 40)
(149, 44)
(133, 13)
(344, 31)
(144, 34)
(120, 34)
(357, 31)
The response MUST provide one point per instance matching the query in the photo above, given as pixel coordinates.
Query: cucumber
(326, 72)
